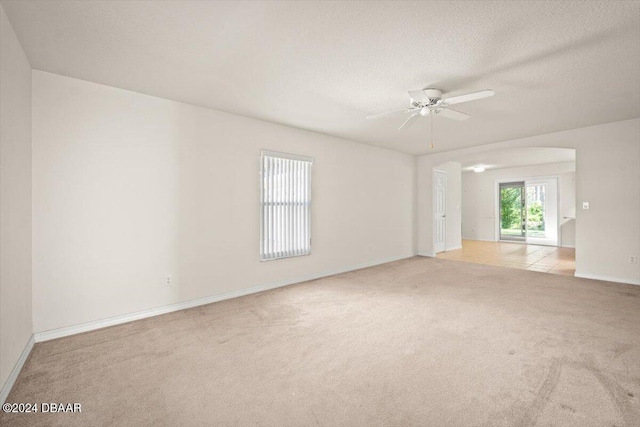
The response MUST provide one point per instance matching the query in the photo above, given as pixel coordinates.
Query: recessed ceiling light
(478, 169)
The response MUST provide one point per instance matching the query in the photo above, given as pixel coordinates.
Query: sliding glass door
(512, 211)
(536, 210)
(542, 211)
(529, 211)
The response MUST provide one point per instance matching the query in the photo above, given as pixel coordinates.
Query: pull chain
(431, 128)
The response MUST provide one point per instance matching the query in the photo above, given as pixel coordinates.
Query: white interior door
(439, 210)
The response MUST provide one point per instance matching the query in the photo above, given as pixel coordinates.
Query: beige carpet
(422, 341)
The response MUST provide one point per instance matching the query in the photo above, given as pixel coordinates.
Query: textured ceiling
(324, 66)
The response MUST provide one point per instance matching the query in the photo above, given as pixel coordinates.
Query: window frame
(286, 156)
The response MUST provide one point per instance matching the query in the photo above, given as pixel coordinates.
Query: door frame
(433, 210)
(496, 204)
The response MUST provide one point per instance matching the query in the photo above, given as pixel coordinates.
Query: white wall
(128, 188)
(479, 196)
(607, 163)
(15, 199)
(453, 204)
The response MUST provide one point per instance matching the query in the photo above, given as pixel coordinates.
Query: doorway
(528, 211)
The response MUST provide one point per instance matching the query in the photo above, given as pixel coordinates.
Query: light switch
(585, 205)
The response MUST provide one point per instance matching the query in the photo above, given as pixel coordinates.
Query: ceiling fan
(429, 102)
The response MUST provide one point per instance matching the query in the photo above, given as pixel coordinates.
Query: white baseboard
(607, 278)
(568, 246)
(125, 318)
(431, 254)
(8, 385)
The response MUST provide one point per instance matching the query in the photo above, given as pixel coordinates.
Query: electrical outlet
(633, 259)
(168, 281)
(585, 205)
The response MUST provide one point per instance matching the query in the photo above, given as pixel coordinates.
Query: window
(285, 205)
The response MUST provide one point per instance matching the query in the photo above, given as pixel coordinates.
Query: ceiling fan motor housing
(431, 98)
(433, 94)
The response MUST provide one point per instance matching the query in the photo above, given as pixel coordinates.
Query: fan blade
(409, 121)
(469, 97)
(375, 116)
(453, 114)
(419, 96)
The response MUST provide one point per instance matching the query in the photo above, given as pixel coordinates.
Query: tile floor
(545, 259)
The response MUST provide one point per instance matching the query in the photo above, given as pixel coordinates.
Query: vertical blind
(285, 205)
